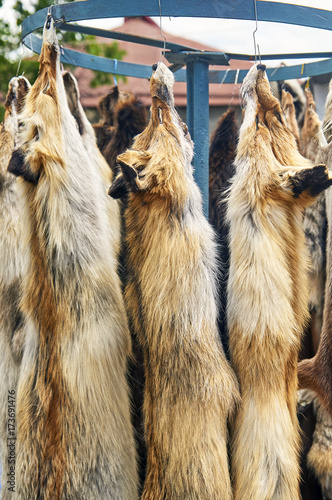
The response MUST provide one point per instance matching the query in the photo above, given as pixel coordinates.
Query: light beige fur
(190, 389)
(90, 143)
(267, 293)
(74, 433)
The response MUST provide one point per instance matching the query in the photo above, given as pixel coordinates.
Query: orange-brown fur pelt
(221, 170)
(316, 373)
(287, 105)
(267, 293)
(74, 437)
(170, 295)
(12, 325)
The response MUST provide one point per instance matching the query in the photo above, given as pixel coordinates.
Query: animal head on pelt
(41, 118)
(147, 165)
(17, 90)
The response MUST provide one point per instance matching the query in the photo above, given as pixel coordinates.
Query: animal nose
(261, 66)
(154, 67)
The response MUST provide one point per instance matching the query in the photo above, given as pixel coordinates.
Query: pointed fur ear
(132, 163)
(20, 167)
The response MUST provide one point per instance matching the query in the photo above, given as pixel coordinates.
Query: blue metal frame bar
(98, 63)
(117, 35)
(198, 123)
(222, 9)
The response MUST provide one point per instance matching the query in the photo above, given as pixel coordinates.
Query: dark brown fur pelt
(190, 388)
(267, 293)
(221, 165)
(123, 117)
(104, 128)
(221, 170)
(130, 119)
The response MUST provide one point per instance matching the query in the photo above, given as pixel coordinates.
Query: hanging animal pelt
(287, 105)
(74, 433)
(221, 170)
(267, 293)
(105, 127)
(297, 92)
(135, 364)
(314, 224)
(319, 457)
(96, 158)
(171, 298)
(12, 325)
(127, 116)
(316, 373)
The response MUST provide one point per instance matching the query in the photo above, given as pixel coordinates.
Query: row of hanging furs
(188, 422)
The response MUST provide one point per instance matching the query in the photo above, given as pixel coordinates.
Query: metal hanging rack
(197, 73)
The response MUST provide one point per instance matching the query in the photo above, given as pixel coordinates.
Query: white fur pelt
(90, 143)
(11, 266)
(267, 293)
(75, 438)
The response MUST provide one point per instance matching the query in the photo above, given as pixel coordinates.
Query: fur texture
(315, 228)
(320, 455)
(171, 299)
(221, 170)
(287, 105)
(316, 373)
(12, 327)
(74, 433)
(96, 158)
(123, 118)
(267, 293)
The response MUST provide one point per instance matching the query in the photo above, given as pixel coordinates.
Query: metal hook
(161, 32)
(254, 36)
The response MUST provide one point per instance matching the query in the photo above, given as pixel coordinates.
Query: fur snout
(161, 84)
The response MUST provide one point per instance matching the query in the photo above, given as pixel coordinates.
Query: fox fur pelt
(89, 140)
(125, 117)
(171, 298)
(221, 170)
(315, 227)
(316, 373)
(74, 438)
(12, 326)
(267, 293)
(287, 105)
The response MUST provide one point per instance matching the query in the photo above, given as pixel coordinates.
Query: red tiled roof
(220, 95)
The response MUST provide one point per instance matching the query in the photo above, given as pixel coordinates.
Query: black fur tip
(154, 67)
(261, 66)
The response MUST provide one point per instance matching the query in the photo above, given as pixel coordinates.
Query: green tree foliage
(11, 51)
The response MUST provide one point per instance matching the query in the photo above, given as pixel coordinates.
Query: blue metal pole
(198, 123)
